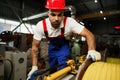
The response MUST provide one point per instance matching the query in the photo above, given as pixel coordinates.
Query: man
(58, 29)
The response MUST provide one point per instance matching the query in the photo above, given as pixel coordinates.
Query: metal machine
(1, 68)
(70, 68)
(66, 73)
(15, 65)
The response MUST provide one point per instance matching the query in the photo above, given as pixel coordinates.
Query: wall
(104, 26)
(9, 25)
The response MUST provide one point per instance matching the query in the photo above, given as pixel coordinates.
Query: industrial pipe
(44, 14)
(70, 68)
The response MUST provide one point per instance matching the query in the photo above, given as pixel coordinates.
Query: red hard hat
(55, 4)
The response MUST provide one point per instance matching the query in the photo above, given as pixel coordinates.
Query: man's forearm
(91, 41)
(34, 55)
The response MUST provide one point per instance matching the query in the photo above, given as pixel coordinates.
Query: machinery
(1, 68)
(66, 73)
(102, 71)
(70, 68)
(90, 70)
(15, 65)
(86, 66)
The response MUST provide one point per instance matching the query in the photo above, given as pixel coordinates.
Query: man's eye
(60, 15)
(56, 14)
(53, 15)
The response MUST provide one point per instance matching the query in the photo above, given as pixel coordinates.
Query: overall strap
(62, 29)
(45, 29)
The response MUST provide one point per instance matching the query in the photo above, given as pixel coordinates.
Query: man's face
(55, 17)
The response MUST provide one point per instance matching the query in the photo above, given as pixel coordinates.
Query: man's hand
(95, 55)
(33, 70)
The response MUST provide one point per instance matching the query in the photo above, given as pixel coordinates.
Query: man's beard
(56, 24)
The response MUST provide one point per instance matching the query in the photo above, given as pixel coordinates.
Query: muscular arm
(90, 39)
(34, 52)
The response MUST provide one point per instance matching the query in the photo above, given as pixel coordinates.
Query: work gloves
(95, 55)
(31, 73)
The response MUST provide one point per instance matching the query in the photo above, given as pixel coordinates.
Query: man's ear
(48, 12)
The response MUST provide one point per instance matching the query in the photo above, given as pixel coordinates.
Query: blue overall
(58, 48)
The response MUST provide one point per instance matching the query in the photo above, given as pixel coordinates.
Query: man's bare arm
(90, 39)
(34, 52)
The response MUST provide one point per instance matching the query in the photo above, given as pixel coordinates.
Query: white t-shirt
(71, 26)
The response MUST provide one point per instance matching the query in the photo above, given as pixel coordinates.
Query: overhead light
(101, 11)
(104, 18)
(95, 1)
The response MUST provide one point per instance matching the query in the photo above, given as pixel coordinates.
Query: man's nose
(56, 17)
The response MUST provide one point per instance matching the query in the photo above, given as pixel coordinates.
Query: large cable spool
(102, 71)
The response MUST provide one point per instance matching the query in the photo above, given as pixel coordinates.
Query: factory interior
(101, 17)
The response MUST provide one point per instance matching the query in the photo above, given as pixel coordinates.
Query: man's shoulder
(69, 19)
(39, 22)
